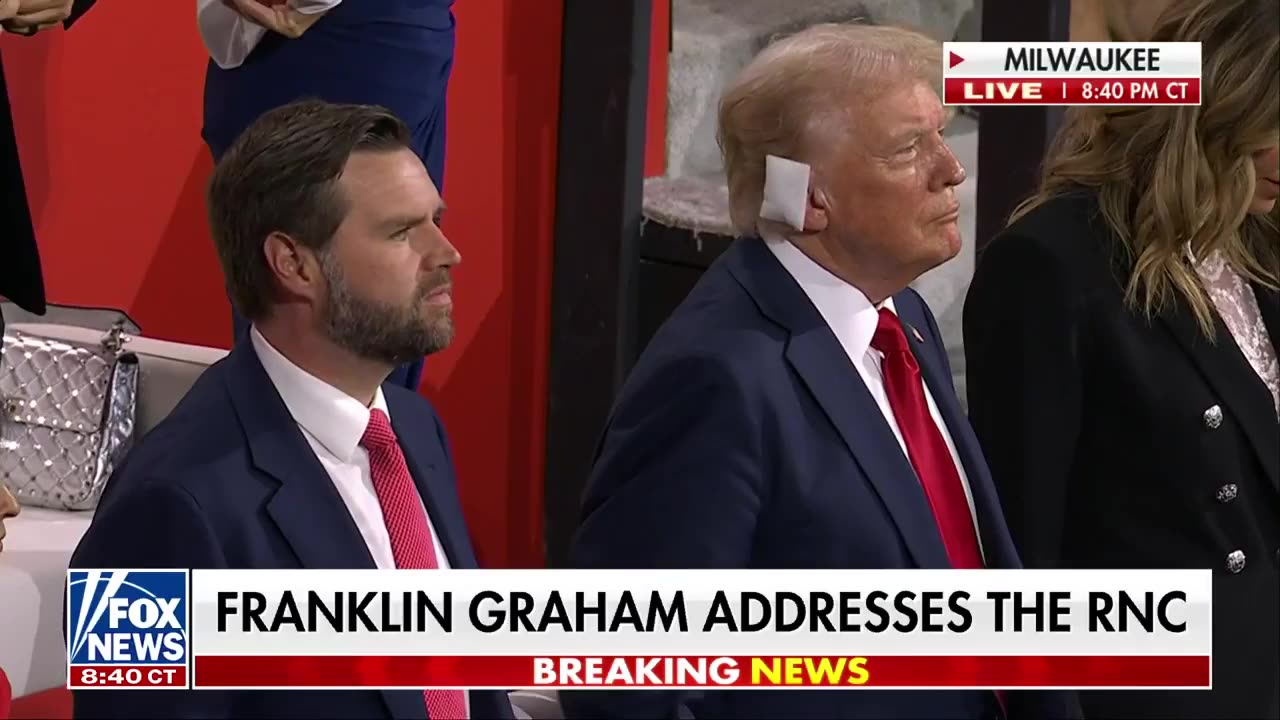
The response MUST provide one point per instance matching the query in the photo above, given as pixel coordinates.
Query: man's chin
(938, 250)
(949, 244)
(441, 334)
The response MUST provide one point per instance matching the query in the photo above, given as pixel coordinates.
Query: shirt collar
(335, 419)
(845, 308)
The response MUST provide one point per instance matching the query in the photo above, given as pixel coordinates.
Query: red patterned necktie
(407, 527)
(925, 445)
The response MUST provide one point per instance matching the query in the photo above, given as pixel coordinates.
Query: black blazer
(1118, 442)
(21, 279)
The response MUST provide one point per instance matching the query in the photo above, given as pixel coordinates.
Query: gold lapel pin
(914, 331)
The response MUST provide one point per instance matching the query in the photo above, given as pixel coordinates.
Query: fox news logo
(127, 628)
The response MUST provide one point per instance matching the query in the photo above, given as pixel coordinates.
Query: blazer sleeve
(678, 483)
(157, 525)
(1022, 362)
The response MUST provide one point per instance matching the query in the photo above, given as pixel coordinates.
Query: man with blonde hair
(796, 411)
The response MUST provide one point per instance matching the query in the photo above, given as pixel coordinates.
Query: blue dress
(394, 53)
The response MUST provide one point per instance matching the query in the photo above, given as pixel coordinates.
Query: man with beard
(292, 452)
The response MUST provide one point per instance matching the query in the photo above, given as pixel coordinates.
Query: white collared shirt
(230, 37)
(853, 320)
(333, 423)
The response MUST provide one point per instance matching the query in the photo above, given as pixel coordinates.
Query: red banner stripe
(408, 671)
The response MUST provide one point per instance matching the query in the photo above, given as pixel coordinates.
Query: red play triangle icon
(955, 60)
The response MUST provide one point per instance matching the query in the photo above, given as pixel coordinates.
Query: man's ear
(295, 267)
(817, 212)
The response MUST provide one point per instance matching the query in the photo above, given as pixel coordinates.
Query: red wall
(108, 119)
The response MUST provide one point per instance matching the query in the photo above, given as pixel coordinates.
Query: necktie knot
(889, 336)
(378, 434)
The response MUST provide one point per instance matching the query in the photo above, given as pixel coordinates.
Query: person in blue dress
(393, 53)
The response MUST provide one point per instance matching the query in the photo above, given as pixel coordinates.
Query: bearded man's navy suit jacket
(228, 480)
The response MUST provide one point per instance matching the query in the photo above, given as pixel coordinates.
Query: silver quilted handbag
(66, 416)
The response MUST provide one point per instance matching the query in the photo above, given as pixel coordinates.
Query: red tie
(407, 527)
(925, 444)
(928, 450)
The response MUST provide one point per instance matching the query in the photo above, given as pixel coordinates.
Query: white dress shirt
(853, 320)
(333, 423)
(230, 37)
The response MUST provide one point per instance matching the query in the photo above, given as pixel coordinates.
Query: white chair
(39, 542)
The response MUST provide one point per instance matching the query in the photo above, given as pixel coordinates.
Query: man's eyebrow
(401, 222)
(912, 133)
(917, 128)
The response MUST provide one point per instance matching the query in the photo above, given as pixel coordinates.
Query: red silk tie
(928, 450)
(925, 445)
(407, 527)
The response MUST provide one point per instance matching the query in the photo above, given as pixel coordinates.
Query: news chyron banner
(1071, 73)
(565, 629)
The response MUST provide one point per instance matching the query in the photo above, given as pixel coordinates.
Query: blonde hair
(800, 90)
(1169, 179)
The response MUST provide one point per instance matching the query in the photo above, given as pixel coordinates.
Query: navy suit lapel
(997, 544)
(432, 474)
(306, 507)
(822, 364)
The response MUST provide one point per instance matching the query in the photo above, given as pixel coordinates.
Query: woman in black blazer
(1121, 342)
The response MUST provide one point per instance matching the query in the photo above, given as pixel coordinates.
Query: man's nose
(437, 251)
(444, 254)
(949, 172)
(952, 172)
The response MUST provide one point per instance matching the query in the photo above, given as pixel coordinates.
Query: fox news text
(1071, 73)
(127, 628)
(670, 628)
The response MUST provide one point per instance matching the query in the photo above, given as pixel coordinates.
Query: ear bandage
(786, 191)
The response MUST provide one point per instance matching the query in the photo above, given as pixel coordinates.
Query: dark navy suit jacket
(227, 480)
(745, 438)
(393, 53)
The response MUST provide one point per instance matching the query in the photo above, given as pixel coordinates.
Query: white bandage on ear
(786, 191)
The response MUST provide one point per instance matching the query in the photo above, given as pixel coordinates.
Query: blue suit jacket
(227, 480)
(745, 438)
(394, 53)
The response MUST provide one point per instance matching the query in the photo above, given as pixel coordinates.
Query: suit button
(1213, 417)
(1235, 561)
(1228, 492)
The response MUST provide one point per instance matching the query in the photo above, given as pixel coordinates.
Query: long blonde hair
(1169, 179)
